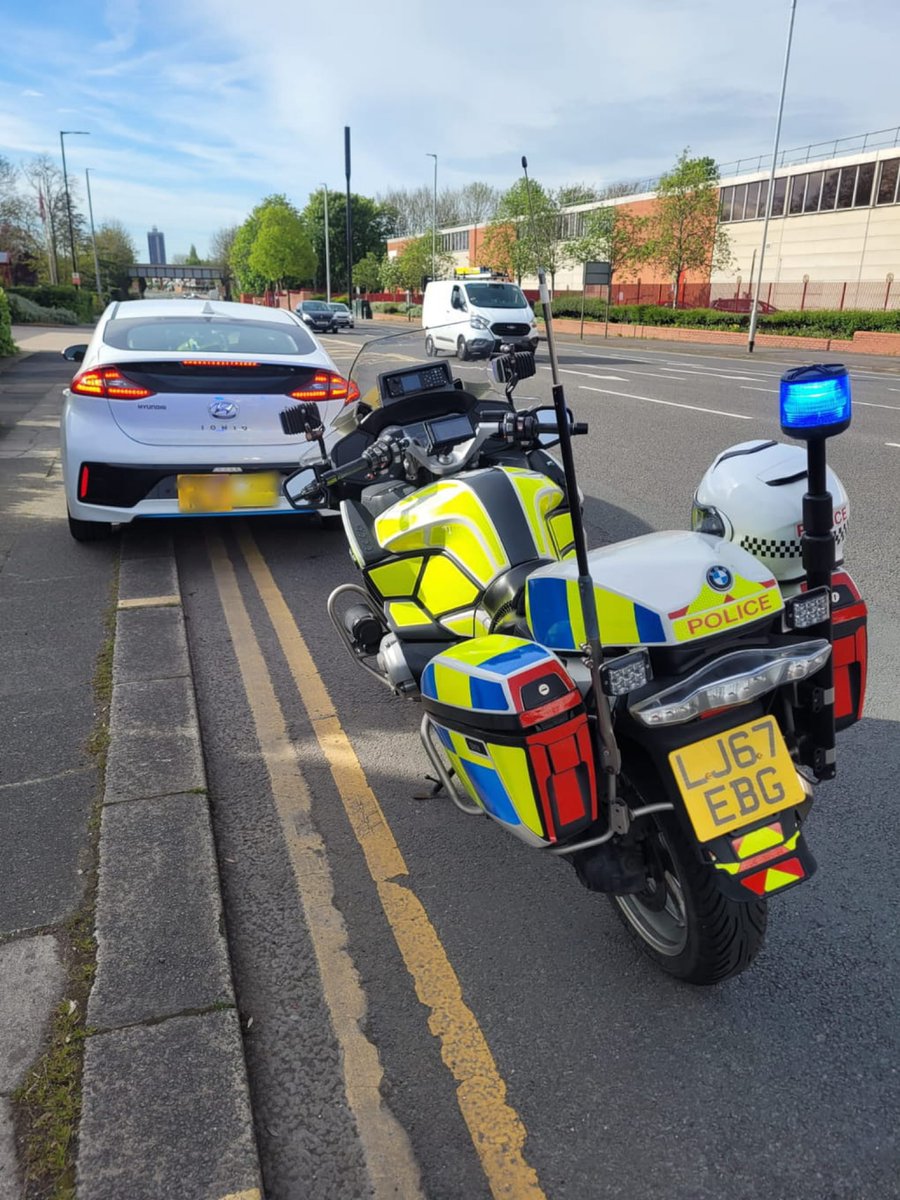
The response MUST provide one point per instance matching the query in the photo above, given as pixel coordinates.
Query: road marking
(747, 387)
(896, 445)
(588, 374)
(386, 1147)
(151, 602)
(583, 387)
(710, 374)
(872, 404)
(497, 1131)
(247, 1194)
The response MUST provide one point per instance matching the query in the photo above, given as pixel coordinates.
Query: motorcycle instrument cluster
(394, 385)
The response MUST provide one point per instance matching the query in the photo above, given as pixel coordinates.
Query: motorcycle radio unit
(395, 385)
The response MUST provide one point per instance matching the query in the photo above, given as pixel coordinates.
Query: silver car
(343, 317)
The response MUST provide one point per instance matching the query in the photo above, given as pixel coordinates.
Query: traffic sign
(597, 274)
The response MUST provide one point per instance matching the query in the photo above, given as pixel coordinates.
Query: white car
(176, 411)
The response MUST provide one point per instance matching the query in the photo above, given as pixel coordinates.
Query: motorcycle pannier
(514, 727)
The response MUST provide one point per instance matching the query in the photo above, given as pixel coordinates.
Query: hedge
(7, 345)
(809, 323)
(26, 312)
(61, 295)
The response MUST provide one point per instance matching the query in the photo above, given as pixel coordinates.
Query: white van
(474, 315)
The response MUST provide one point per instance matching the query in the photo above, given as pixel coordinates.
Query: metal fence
(731, 297)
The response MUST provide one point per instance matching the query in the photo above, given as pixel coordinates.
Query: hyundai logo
(720, 578)
(222, 408)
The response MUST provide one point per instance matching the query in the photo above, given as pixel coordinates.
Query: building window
(813, 192)
(751, 208)
(455, 241)
(779, 191)
(887, 184)
(798, 189)
(763, 196)
(571, 225)
(847, 187)
(829, 190)
(864, 180)
(725, 203)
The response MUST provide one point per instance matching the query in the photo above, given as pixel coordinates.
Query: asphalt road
(782, 1082)
(415, 986)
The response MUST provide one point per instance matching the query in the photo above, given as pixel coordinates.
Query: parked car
(176, 411)
(342, 314)
(317, 315)
(742, 304)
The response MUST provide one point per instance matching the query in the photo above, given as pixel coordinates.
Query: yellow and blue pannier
(514, 727)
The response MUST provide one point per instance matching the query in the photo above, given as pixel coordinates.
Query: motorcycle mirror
(295, 485)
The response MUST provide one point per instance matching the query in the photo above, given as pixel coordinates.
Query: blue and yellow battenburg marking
(515, 731)
(446, 543)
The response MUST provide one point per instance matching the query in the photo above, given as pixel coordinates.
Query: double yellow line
(497, 1131)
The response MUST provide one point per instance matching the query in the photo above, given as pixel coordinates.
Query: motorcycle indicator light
(626, 673)
(810, 608)
(815, 401)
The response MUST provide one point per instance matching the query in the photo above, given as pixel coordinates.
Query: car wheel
(429, 347)
(89, 531)
(462, 350)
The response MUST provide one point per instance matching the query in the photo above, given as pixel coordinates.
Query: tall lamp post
(63, 133)
(754, 307)
(87, 180)
(327, 251)
(433, 218)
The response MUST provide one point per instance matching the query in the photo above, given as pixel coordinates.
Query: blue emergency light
(815, 401)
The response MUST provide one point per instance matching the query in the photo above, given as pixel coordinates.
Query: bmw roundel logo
(222, 408)
(719, 578)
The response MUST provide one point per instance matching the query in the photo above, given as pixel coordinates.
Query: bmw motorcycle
(656, 712)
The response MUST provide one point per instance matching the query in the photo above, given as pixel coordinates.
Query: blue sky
(198, 108)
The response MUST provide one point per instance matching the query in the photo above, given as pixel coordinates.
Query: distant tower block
(156, 243)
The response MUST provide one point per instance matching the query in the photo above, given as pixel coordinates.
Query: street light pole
(433, 218)
(327, 251)
(62, 145)
(754, 306)
(87, 180)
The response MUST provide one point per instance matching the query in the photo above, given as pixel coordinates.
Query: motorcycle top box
(514, 728)
(666, 588)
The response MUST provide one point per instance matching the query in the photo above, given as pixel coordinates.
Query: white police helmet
(753, 495)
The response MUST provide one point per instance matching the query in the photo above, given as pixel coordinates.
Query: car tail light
(217, 362)
(83, 481)
(108, 383)
(326, 385)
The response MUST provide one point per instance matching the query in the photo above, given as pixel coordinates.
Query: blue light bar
(815, 401)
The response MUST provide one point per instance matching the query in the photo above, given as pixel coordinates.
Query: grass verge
(48, 1102)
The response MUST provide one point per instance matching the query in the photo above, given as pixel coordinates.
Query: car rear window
(207, 335)
(314, 306)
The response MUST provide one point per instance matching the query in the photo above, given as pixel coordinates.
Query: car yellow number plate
(736, 777)
(224, 492)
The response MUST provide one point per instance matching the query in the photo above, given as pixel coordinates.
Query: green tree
(414, 263)
(611, 234)
(282, 253)
(373, 224)
(115, 254)
(248, 280)
(535, 216)
(368, 272)
(683, 231)
(192, 258)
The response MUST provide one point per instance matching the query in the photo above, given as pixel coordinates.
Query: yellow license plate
(224, 492)
(736, 777)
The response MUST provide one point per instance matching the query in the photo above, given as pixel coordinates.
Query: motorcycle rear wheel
(682, 921)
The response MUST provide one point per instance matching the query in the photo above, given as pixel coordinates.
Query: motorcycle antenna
(609, 756)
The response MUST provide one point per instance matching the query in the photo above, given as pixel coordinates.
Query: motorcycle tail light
(327, 385)
(108, 383)
(733, 679)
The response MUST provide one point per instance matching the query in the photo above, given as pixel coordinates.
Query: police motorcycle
(656, 712)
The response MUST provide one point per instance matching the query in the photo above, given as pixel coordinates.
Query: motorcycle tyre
(723, 936)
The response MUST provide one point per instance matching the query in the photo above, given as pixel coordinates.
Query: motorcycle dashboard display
(441, 432)
(396, 385)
